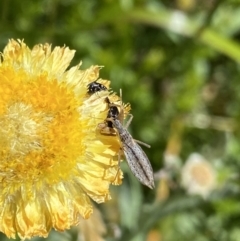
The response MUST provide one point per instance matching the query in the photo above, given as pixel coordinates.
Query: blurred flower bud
(198, 176)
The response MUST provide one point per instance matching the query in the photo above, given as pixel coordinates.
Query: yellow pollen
(18, 129)
(38, 124)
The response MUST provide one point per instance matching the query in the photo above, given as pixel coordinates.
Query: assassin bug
(137, 160)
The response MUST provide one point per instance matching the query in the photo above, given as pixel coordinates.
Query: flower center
(38, 122)
(19, 129)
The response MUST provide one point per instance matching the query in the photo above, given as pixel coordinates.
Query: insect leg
(119, 159)
(142, 143)
(127, 125)
(129, 121)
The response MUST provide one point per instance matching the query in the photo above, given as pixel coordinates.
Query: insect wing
(139, 164)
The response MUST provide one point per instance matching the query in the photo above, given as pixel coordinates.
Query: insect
(137, 160)
(113, 112)
(94, 87)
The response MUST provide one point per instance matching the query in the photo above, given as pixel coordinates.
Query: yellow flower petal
(52, 157)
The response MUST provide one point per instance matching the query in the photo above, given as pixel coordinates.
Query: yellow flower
(52, 157)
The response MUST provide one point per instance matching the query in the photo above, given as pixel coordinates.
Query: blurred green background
(177, 63)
